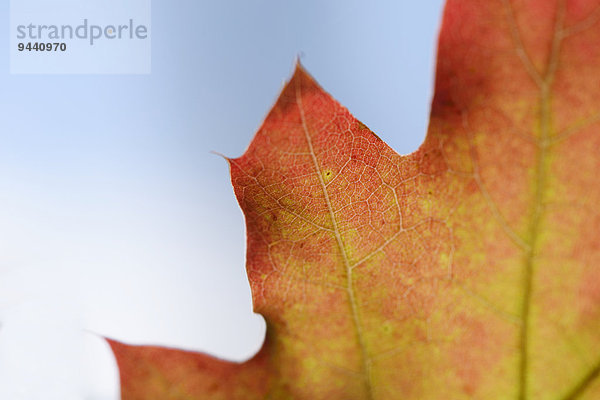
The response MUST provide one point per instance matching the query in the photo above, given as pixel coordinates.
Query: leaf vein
(342, 248)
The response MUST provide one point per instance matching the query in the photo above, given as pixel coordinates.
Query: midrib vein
(540, 182)
(533, 233)
(366, 362)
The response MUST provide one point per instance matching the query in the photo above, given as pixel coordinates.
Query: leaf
(468, 269)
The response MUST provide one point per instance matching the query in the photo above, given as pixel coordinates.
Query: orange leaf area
(468, 269)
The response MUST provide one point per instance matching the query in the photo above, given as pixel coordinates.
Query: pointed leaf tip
(152, 372)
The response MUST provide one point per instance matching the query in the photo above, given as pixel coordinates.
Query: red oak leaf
(468, 269)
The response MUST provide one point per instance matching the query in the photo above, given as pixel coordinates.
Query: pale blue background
(114, 216)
